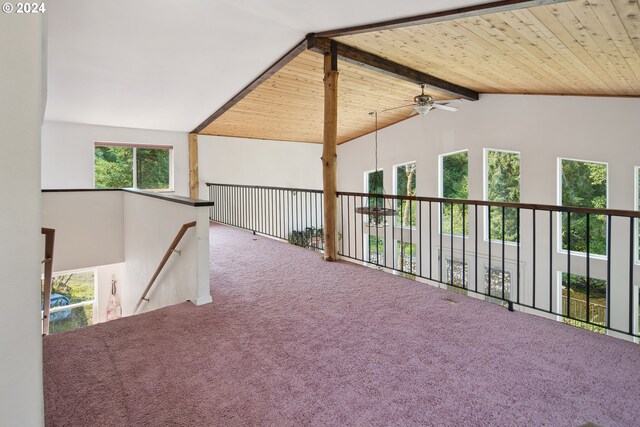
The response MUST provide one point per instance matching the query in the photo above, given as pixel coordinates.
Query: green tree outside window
(503, 185)
(455, 185)
(584, 184)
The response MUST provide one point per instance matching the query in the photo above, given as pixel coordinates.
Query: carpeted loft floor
(293, 340)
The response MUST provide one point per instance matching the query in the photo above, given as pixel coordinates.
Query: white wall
(150, 225)
(105, 273)
(68, 152)
(21, 109)
(225, 160)
(541, 128)
(89, 227)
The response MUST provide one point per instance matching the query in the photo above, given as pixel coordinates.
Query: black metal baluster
(503, 266)
(569, 264)
(441, 252)
(551, 263)
(489, 272)
(464, 255)
(419, 212)
(534, 258)
(451, 249)
(475, 217)
(430, 242)
(349, 224)
(518, 255)
(608, 269)
(631, 262)
(362, 228)
(411, 246)
(588, 260)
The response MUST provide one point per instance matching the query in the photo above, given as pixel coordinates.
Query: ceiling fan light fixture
(422, 109)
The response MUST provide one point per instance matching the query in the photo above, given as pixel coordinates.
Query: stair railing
(49, 237)
(163, 262)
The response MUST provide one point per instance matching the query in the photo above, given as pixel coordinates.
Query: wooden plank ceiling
(289, 106)
(576, 48)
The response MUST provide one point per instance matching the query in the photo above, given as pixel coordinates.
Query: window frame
(560, 223)
(395, 191)
(134, 168)
(441, 189)
(485, 190)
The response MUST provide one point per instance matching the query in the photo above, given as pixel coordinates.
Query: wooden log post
(194, 183)
(329, 155)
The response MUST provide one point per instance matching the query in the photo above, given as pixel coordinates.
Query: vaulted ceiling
(584, 47)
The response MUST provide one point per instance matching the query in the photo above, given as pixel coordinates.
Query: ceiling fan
(423, 103)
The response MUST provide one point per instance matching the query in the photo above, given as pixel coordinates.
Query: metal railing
(291, 214)
(531, 256)
(171, 250)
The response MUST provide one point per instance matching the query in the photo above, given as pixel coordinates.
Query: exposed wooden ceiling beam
(382, 65)
(274, 68)
(446, 15)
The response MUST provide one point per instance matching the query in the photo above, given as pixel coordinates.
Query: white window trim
(485, 190)
(559, 222)
(441, 189)
(134, 168)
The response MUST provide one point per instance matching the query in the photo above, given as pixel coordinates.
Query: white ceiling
(158, 64)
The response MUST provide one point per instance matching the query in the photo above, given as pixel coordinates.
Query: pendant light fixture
(377, 214)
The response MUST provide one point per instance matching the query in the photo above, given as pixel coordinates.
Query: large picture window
(454, 184)
(405, 177)
(583, 184)
(132, 166)
(502, 184)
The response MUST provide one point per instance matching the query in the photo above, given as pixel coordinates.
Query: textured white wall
(541, 128)
(89, 227)
(150, 225)
(68, 152)
(21, 251)
(225, 160)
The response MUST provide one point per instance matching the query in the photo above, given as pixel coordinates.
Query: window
(405, 257)
(457, 274)
(454, 184)
(132, 166)
(405, 177)
(374, 185)
(583, 184)
(502, 184)
(75, 291)
(500, 281)
(574, 301)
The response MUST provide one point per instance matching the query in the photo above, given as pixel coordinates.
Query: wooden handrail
(164, 260)
(49, 238)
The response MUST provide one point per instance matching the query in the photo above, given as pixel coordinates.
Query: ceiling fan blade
(396, 108)
(445, 107)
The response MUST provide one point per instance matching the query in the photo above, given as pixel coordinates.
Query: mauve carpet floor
(292, 340)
